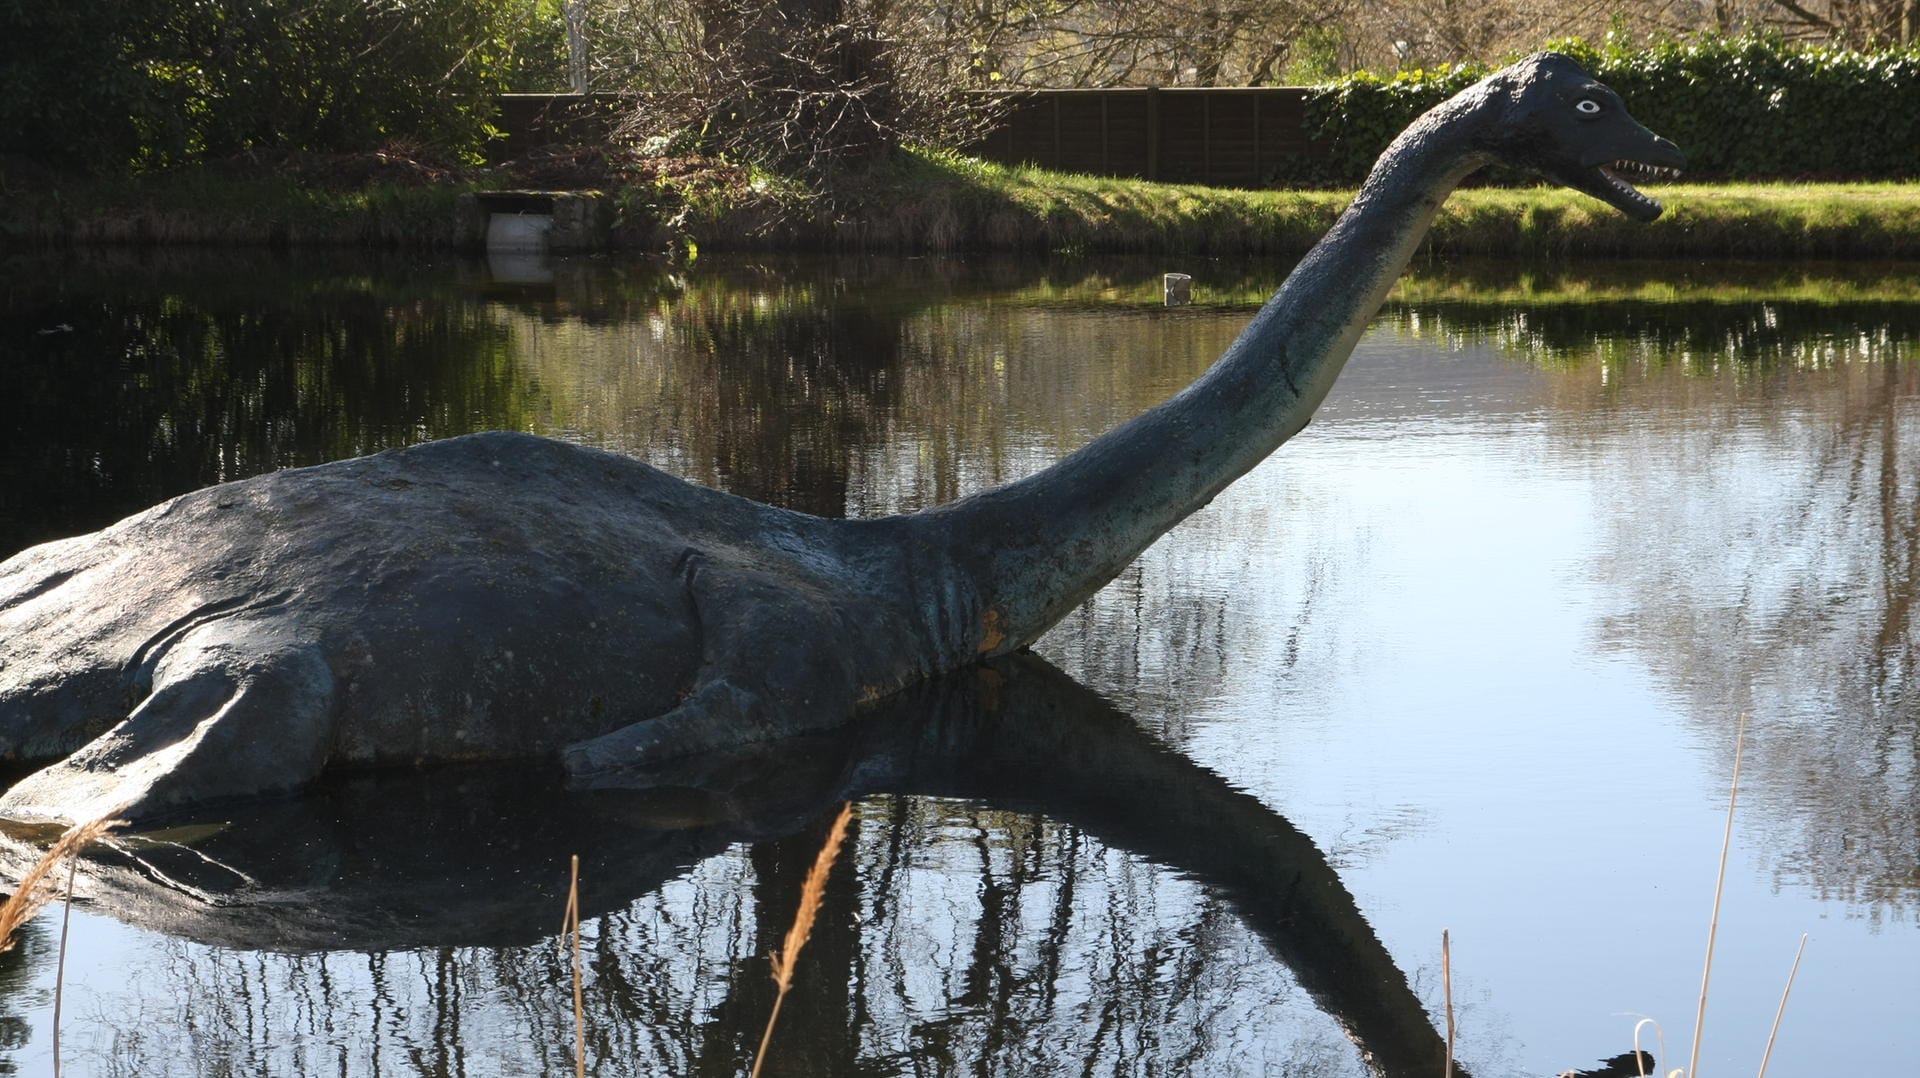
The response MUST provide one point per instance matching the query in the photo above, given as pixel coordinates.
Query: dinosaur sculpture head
(1560, 122)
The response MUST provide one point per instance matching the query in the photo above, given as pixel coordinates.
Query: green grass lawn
(941, 202)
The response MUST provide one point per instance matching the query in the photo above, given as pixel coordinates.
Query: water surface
(1468, 654)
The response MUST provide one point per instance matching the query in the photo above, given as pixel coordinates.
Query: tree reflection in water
(1807, 624)
(129, 383)
(1759, 550)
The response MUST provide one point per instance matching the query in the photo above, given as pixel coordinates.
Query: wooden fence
(1221, 137)
(1237, 137)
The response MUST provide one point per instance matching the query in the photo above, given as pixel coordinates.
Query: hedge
(1741, 108)
(113, 84)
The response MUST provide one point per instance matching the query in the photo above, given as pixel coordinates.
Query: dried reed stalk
(1640, 1057)
(1446, 984)
(1719, 886)
(1775, 1031)
(811, 897)
(570, 922)
(60, 967)
(33, 892)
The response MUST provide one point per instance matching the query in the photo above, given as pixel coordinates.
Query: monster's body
(503, 595)
(481, 597)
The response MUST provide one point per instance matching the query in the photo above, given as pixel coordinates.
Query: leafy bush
(1355, 118)
(108, 83)
(1747, 108)
(70, 94)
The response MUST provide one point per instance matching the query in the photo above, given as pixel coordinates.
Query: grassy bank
(958, 204)
(938, 204)
(212, 207)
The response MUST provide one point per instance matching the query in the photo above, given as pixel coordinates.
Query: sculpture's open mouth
(1611, 186)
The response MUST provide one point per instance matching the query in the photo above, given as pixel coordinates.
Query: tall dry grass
(1719, 888)
(1772, 1033)
(35, 889)
(1692, 1069)
(812, 895)
(570, 926)
(1446, 983)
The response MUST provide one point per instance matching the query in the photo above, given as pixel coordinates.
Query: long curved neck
(1036, 548)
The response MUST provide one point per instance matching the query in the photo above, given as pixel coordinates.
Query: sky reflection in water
(1480, 634)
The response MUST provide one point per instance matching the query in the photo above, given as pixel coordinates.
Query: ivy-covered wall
(1748, 108)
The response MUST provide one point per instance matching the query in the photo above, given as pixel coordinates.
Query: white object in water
(518, 231)
(1178, 288)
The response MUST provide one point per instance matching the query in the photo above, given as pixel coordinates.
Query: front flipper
(229, 716)
(774, 663)
(720, 714)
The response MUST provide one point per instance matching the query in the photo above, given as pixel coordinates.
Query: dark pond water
(1468, 654)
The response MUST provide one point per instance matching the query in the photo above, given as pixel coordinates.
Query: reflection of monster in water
(464, 859)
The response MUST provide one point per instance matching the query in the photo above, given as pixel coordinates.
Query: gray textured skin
(503, 595)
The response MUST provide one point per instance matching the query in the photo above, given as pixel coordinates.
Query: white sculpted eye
(1588, 106)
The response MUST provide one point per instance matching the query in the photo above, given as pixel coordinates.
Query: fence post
(1206, 137)
(1106, 166)
(1259, 181)
(1153, 133)
(1055, 163)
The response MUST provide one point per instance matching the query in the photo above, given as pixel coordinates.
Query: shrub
(70, 93)
(108, 83)
(1748, 108)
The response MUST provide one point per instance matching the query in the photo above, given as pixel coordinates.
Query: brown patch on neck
(992, 633)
